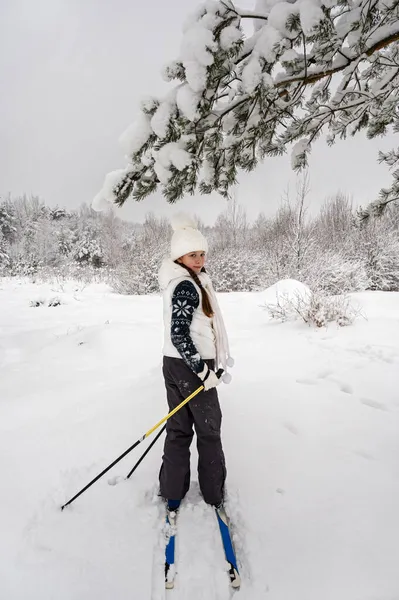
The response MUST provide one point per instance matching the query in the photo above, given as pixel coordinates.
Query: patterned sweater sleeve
(185, 300)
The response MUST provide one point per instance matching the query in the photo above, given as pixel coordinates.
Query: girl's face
(193, 260)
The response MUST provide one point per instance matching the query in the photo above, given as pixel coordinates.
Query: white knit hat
(186, 237)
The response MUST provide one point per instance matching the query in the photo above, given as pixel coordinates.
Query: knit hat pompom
(182, 221)
(186, 237)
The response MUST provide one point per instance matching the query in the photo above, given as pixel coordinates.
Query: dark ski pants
(203, 411)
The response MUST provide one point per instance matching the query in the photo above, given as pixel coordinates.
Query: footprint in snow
(307, 381)
(291, 428)
(373, 404)
(325, 373)
(386, 354)
(345, 387)
(364, 454)
(115, 480)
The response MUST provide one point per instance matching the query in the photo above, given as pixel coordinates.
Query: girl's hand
(209, 378)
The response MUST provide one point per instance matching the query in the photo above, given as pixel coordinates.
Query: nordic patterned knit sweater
(185, 300)
(188, 333)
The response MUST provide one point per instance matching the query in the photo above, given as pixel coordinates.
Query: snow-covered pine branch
(308, 67)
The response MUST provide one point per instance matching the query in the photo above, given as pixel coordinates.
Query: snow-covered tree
(65, 240)
(138, 273)
(333, 272)
(4, 257)
(232, 226)
(88, 249)
(259, 231)
(7, 221)
(335, 222)
(28, 209)
(301, 233)
(377, 246)
(57, 213)
(155, 228)
(309, 66)
(288, 240)
(235, 270)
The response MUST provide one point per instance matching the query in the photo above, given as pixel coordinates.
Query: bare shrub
(315, 309)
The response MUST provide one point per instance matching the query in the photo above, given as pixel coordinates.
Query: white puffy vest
(201, 328)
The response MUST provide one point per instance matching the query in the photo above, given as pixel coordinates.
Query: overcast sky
(72, 73)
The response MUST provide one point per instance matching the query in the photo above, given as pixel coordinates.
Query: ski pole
(142, 457)
(146, 435)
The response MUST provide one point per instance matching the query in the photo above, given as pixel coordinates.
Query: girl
(195, 343)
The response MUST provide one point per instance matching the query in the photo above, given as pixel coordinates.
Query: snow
(196, 56)
(279, 11)
(136, 135)
(310, 15)
(251, 75)
(345, 22)
(286, 290)
(279, 15)
(267, 82)
(210, 6)
(210, 21)
(163, 173)
(207, 172)
(161, 118)
(389, 76)
(310, 432)
(149, 103)
(229, 36)
(193, 17)
(187, 101)
(196, 75)
(269, 37)
(289, 55)
(262, 8)
(230, 120)
(169, 70)
(383, 5)
(171, 154)
(299, 152)
(106, 196)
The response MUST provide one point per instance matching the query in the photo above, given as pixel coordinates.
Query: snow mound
(286, 291)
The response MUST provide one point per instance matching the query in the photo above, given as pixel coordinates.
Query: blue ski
(235, 580)
(170, 570)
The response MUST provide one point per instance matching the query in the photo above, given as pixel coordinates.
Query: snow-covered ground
(310, 431)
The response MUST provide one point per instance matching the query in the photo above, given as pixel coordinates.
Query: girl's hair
(206, 303)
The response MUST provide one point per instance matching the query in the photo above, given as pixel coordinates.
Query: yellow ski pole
(148, 433)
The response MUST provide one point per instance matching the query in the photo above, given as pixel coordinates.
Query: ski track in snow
(310, 432)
